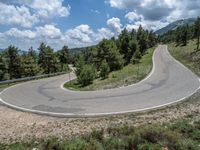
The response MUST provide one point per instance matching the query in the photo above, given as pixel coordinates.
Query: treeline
(182, 34)
(17, 64)
(92, 62)
(110, 55)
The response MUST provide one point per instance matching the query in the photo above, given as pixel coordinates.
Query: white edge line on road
(98, 114)
(92, 114)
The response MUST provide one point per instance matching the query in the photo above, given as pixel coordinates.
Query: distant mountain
(174, 25)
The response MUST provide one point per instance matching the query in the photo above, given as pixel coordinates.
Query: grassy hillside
(187, 55)
(130, 74)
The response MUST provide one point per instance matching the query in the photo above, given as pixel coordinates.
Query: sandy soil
(16, 126)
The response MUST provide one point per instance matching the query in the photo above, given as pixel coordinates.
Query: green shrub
(87, 75)
(104, 70)
(135, 140)
(77, 144)
(2, 147)
(188, 145)
(51, 144)
(19, 147)
(115, 144)
(97, 134)
(136, 57)
(121, 131)
(149, 146)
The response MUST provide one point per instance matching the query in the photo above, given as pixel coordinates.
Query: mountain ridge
(174, 25)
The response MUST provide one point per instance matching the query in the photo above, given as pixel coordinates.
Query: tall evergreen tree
(3, 68)
(13, 59)
(151, 39)
(64, 56)
(127, 44)
(79, 64)
(197, 31)
(29, 66)
(32, 53)
(184, 36)
(47, 59)
(142, 38)
(124, 39)
(108, 50)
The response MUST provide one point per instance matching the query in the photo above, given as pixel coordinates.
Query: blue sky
(78, 23)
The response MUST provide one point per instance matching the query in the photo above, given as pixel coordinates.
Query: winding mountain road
(169, 82)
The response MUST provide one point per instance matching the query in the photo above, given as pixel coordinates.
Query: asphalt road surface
(169, 82)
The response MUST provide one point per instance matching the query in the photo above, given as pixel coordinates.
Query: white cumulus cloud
(18, 15)
(27, 13)
(115, 24)
(133, 16)
(50, 8)
(81, 33)
(49, 31)
(14, 32)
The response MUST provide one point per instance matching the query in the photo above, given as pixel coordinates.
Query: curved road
(169, 82)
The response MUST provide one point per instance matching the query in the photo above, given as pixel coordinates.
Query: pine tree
(79, 64)
(108, 50)
(197, 31)
(151, 39)
(64, 56)
(3, 68)
(184, 36)
(32, 53)
(14, 63)
(47, 59)
(29, 66)
(104, 70)
(142, 37)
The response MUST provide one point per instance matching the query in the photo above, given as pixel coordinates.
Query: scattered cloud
(115, 25)
(81, 34)
(49, 31)
(14, 32)
(29, 22)
(154, 12)
(95, 11)
(133, 16)
(104, 33)
(122, 4)
(27, 13)
(17, 15)
(50, 8)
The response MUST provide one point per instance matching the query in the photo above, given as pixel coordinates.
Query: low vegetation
(181, 135)
(187, 55)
